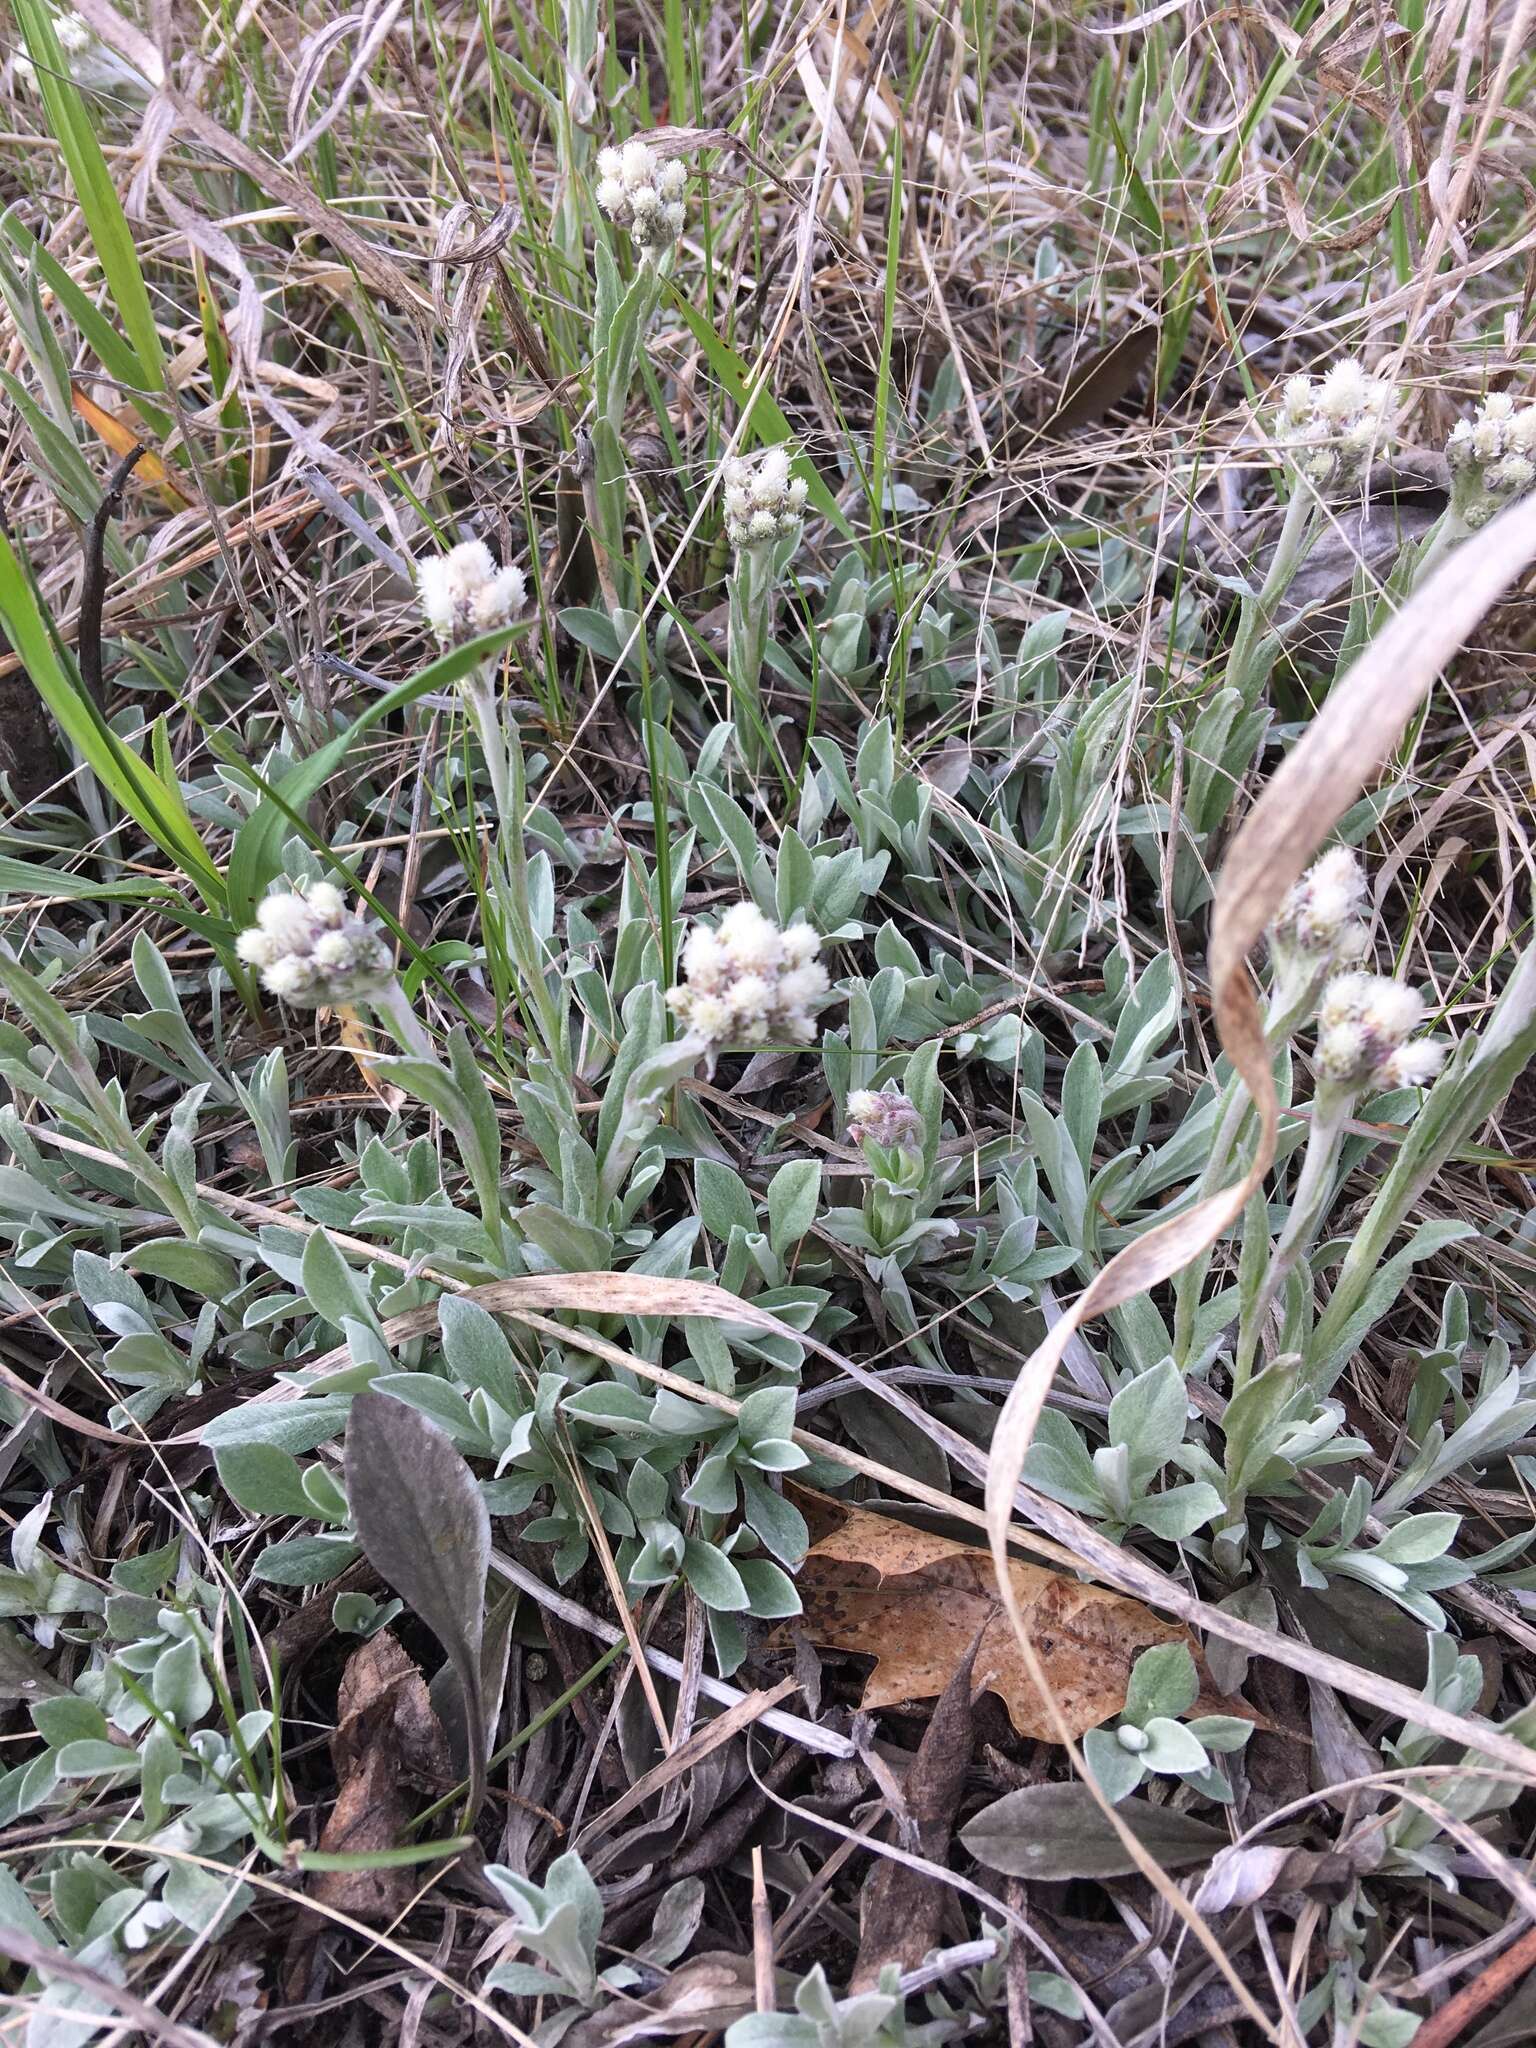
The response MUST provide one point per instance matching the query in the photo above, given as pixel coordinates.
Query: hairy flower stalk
(464, 594)
(644, 196)
(764, 506)
(1318, 930)
(888, 1126)
(1365, 1043)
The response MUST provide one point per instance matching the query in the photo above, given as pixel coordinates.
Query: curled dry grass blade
(1329, 769)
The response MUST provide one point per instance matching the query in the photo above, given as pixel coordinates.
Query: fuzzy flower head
(1365, 1023)
(1320, 927)
(643, 194)
(464, 594)
(1492, 458)
(746, 982)
(763, 502)
(1332, 426)
(311, 953)
(885, 1117)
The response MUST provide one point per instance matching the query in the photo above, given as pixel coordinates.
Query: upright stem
(751, 598)
(509, 856)
(1307, 1205)
(1258, 611)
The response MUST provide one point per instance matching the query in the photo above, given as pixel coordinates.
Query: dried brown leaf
(919, 1603)
(386, 1735)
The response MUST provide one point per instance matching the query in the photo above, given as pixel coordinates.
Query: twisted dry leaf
(1334, 763)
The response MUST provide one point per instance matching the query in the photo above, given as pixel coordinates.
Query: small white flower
(75, 37)
(799, 987)
(747, 981)
(287, 920)
(1415, 1065)
(326, 901)
(751, 997)
(763, 502)
(643, 195)
(257, 948)
(752, 941)
(705, 960)
(333, 952)
(801, 942)
(311, 953)
(712, 1017)
(1332, 428)
(1364, 1023)
(464, 594)
(1492, 458)
(1320, 926)
(291, 977)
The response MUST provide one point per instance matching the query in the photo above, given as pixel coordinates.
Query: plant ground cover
(764, 1214)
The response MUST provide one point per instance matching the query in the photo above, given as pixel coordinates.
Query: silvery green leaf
(1178, 1511)
(304, 1560)
(676, 1921)
(294, 1426)
(94, 1759)
(1148, 1417)
(713, 1577)
(793, 1194)
(1117, 1771)
(724, 1202)
(1171, 1747)
(1419, 1539)
(1164, 1681)
(1220, 1732)
(334, 1290)
(441, 1400)
(1057, 1831)
(777, 1521)
(262, 1478)
(477, 1352)
(771, 1593)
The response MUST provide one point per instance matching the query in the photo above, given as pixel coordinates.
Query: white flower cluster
(641, 194)
(75, 35)
(763, 502)
(463, 593)
(746, 981)
(1492, 458)
(1320, 923)
(1364, 1025)
(1332, 428)
(311, 953)
(886, 1117)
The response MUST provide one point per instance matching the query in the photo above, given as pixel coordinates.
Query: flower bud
(886, 1118)
(464, 594)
